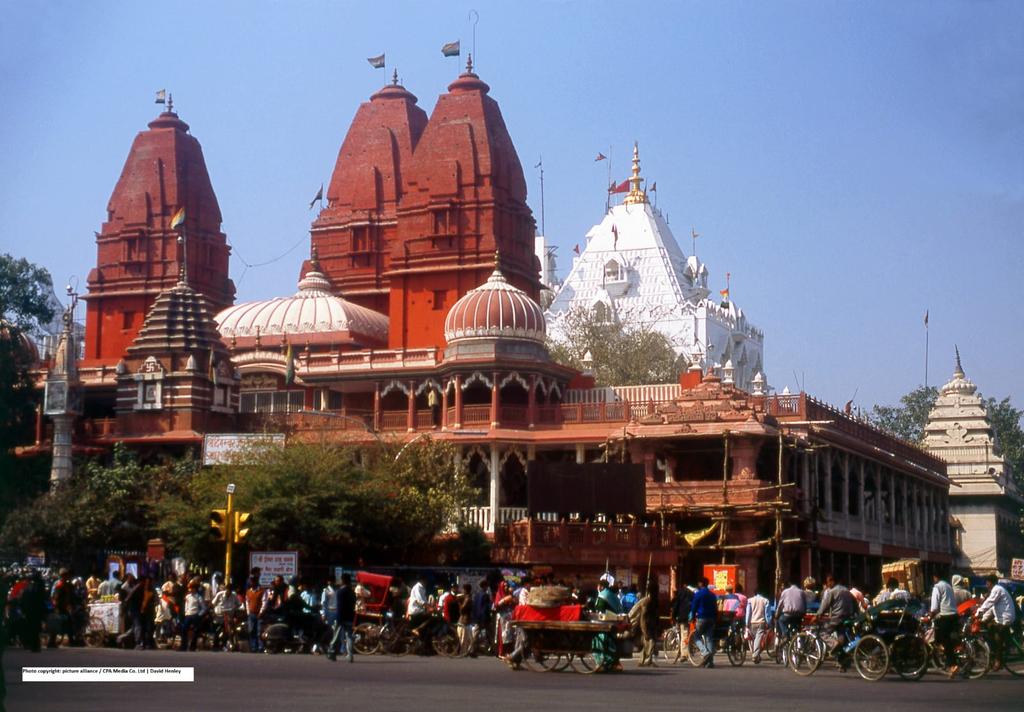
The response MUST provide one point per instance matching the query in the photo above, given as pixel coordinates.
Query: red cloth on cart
(555, 613)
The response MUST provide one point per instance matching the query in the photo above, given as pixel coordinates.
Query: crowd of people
(184, 608)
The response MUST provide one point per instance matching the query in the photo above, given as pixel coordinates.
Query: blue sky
(851, 164)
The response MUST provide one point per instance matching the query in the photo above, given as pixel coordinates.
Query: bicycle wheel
(981, 658)
(670, 644)
(366, 639)
(446, 643)
(804, 653)
(871, 658)
(909, 657)
(95, 632)
(735, 649)
(695, 652)
(1013, 655)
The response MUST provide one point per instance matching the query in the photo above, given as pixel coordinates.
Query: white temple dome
(495, 309)
(313, 314)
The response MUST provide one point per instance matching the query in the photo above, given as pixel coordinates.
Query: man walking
(346, 605)
(680, 615)
(757, 623)
(704, 609)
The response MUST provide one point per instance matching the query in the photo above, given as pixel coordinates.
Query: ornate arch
(514, 376)
(429, 383)
(394, 385)
(477, 377)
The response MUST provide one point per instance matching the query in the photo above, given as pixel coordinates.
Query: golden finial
(469, 63)
(394, 78)
(497, 259)
(636, 195)
(314, 259)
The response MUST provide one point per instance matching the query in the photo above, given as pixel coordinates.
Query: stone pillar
(880, 516)
(531, 403)
(650, 463)
(495, 493)
(531, 452)
(747, 560)
(744, 453)
(60, 470)
(581, 453)
(828, 490)
(376, 406)
(458, 402)
(892, 508)
(845, 498)
(410, 416)
(861, 512)
(444, 407)
(906, 511)
(805, 485)
(495, 401)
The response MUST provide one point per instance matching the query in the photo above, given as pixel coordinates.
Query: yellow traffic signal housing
(243, 520)
(219, 524)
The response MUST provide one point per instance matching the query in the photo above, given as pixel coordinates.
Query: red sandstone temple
(416, 313)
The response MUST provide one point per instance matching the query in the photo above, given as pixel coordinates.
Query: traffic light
(243, 520)
(219, 524)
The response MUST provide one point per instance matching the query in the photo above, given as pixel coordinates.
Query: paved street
(286, 682)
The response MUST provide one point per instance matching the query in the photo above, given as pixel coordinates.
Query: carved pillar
(495, 493)
(906, 511)
(410, 416)
(744, 453)
(581, 454)
(649, 465)
(828, 490)
(861, 511)
(845, 498)
(458, 402)
(495, 401)
(892, 507)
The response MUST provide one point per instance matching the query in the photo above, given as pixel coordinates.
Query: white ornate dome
(312, 314)
(495, 309)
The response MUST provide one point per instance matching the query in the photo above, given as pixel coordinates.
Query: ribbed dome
(312, 312)
(495, 309)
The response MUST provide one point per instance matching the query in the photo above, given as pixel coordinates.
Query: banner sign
(274, 563)
(228, 448)
(1017, 569)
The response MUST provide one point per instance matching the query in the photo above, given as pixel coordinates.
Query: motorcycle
(281, 633)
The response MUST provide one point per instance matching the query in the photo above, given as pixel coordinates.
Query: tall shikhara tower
(137, 252)
(465, 199)
(353, 235)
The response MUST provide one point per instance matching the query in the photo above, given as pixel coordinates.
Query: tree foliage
(24, 307)
(329, 502)
(907, 421)
(624, 353)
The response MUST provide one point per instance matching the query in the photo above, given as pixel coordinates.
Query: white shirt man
(417, 600)
(757, 623)
(998, 606)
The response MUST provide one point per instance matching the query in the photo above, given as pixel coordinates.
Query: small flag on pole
(926, 318)
(601, 157)
(654, 187)
(178, 219)
(319, 196)
(161, 96)
(615, 237)
(622, 187)
(376, 62)
(576, 249)
(451, 49)
(725, 294)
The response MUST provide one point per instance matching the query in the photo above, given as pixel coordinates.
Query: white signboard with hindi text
(1017, 569)
(227, 448)
(274, 563)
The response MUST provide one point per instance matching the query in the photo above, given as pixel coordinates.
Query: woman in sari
(605, 647)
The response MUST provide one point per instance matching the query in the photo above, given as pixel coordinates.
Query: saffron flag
(289, 359)
(452, 49)
(693, 537)
(161, 96)
(376, 62)
(178, 219)
(601, 157)
(622, 187)
(319, 196)
(576, 249)
(725, 294)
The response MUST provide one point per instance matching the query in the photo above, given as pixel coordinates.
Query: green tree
(25, 291)
(906, 420)
(624, 352)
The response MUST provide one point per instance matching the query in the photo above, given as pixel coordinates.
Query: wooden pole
(778, 527)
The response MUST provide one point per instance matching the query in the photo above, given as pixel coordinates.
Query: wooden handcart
(585, 646)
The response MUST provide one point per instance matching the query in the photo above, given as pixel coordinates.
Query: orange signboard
(722, 576)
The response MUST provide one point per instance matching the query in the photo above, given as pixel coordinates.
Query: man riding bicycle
(837, 607)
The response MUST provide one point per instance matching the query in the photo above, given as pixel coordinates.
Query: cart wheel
(585, 663)
(909, 657)
(545, 662)
(446, 644)
(95, 633)
(871, 658)
(804, 653)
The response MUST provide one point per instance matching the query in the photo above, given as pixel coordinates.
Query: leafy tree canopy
(625, 353)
